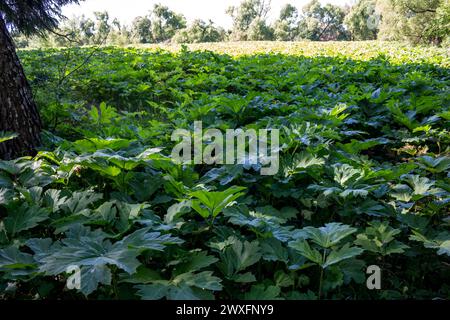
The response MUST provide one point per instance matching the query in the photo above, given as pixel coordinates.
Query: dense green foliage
(249, 21)
(419, 22)
(200, 31)
(364, 178)
(31, 17)
(362, 20)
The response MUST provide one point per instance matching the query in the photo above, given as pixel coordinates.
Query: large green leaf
(5, 196)
(94, 144)
(92, 276)
(346, 252)
(80, 201)
(203, 280)
(12, 258)
(214, 202)
(379, 237)
(195, 261)
(441, 242)
(183, 287)
(260, 292)
(5, 136)
(167, 290)
(302, 247)
(329, 235)
(24, 218)
(91, 251)
(345, 174)
(300, 162)
(435, 165)
(239, 256)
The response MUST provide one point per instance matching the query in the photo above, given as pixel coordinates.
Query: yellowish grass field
(363, 50)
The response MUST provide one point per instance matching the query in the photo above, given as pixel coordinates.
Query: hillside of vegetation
(364, 177)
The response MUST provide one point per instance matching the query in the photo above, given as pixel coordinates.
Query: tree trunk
(18, 112)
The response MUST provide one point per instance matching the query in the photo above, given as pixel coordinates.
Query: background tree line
(416, 21)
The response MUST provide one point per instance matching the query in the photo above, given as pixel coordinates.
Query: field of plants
(364, 178)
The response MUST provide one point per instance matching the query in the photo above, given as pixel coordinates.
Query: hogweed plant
(264, 171)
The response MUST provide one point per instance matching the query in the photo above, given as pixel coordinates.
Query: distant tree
(18, 112)
(165, 23)
(102, 26)
(362, 21)
(119, 34)
(286, 26)
(160, 25)
(418, 21)
(245, 14)
(322, 22)
(82, 31)
(86, 29)
(200, 31)
(141, 30)
(259, 31)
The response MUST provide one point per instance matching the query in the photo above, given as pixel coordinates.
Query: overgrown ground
(364, 178)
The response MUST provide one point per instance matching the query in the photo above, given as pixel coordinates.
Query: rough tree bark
(18, 112)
